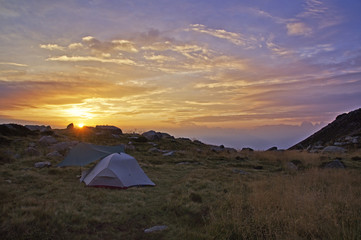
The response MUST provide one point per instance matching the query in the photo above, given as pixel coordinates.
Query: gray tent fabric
(85, 153)
(118, 170)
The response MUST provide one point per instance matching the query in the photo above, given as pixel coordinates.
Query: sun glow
(80, 125)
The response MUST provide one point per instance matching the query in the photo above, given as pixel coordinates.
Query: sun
(80, 125)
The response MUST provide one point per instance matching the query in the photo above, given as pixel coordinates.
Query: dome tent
(118, 170)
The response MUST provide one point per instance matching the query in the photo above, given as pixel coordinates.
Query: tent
(118, 170)
(85, 153)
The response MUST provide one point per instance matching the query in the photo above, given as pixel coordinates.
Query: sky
(244, 73)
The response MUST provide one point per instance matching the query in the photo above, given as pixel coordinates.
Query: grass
(202, 199)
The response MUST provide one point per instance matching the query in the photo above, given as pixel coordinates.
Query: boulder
(155, 136)
(42, 164)
(333, 149)
(334, 164)
(47, 140)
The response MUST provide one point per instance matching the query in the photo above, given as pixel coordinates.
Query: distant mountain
(344, 131)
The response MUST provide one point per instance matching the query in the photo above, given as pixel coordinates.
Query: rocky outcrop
(344, 131)
(155, 136)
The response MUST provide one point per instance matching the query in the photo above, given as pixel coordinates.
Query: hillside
(344, 131)
(202, 191)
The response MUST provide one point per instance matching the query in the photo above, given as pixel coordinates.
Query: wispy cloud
(13, 64)
(235, 38)
(65, 58)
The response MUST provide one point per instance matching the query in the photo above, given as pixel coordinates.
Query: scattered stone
(334, 164)
(240, 171)
(31, 151)
(47, 140)
(171, 153)
(42, 164)
(156, 228)
(333, 149)
(8, 181)
(183, 163)
(54, 154)
(115, 135)
(154, 150)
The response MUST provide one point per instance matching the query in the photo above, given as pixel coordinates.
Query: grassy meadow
(199, 194)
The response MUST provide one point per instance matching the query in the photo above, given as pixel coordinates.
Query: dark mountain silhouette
(344, 131)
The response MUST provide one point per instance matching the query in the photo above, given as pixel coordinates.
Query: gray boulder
(334, 164)
(42, 164)
(333, 149)
(154, 136)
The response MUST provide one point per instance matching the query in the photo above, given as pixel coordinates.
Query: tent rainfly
(85, 153)
(118, 170)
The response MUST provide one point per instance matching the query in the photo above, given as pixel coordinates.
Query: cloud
(65, 58)
(298, 29)
(235, 38)
(114, 45)
(13, 64)
(308, 52)
(52, 47)
(75, 46)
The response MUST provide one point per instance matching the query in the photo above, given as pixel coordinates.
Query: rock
(272, 149)
(334, 164)
(155, 136)
(156, 228)
(8, 181)
(108, 128)
(42, 164)
(54, 154)
(47, 140)
(333, 149)
(154, 150)
(31, 151)
(70, 126)
(171, 153)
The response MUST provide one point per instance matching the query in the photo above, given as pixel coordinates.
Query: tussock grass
(204, 197)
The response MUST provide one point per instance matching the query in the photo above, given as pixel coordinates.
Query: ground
(201, 192)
